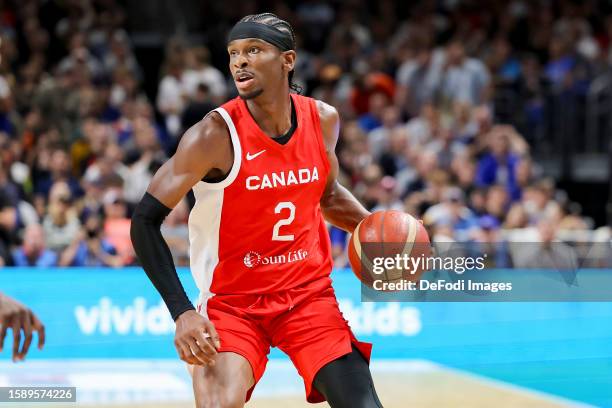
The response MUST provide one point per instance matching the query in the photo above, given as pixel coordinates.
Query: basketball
(389, 246)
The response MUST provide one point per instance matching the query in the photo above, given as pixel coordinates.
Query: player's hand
(196, 339)
(19, 318)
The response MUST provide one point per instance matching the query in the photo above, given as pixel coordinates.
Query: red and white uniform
(260, 251)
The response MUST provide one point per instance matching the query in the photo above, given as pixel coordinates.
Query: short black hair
(275, 21)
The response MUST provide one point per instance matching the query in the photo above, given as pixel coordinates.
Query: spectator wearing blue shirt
(33, 252)
(373, 118)
(487, 242)
(59, 170)
(561, 64)
(499, 164)
(338, 240)
(91, 248)
(451, 211)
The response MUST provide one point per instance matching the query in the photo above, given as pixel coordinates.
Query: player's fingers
(40, 328)
(199, 354)
(16, 326)
(210, 329)
(181, 353)
(203, 344)
(3, 330)
(184, 353)
(27, 334)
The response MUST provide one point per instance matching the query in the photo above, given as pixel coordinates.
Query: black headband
(252, 29)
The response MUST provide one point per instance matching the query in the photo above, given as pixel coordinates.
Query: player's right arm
(203, 149)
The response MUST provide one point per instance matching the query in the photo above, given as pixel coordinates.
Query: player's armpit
(204, 147)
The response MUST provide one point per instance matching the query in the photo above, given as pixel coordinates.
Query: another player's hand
(196, 339)
(19, 318)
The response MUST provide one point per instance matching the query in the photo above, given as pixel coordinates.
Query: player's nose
(241, 61)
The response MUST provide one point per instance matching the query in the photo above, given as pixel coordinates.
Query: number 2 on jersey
(285, 221)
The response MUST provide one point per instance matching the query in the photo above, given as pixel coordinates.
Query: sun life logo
(252, 259)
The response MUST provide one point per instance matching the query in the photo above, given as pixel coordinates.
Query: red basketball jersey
(261, 229)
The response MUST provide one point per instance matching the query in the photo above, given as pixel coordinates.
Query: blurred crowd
(415, 86)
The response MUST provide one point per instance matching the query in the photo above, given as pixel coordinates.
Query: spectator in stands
(426, 163)
(58, 170)
(176, 233)
(8, 222)
(199, 105)
(120, 56)
(91, 248)
(108, 165)
(477, 201)
(453, 212)
(8, 188)
(61, 225)
(379, 139)
(517, 217)
(171, 95)
(387, 195)
(497, 201)
(561, 62)
(373, 117)
(463, 168)
(487, 242)
(445, 146)
(483, 121)
(394, 159)
(79, 57)
(422, 127)
(142, 160)
(504, 66)
(419, 78)
(464, 79)
(369, 188)
(539, 203)
(33, 251)
(338, 239)
(199, 71)
(117, 224)
(547, 252)
(499, 164)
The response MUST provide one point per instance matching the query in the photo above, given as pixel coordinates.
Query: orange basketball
(390, 246)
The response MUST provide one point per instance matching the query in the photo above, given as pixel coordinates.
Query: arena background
(489, 120)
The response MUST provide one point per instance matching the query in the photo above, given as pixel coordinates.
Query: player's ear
(288, 58)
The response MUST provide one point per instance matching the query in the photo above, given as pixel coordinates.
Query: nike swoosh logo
(250, 156)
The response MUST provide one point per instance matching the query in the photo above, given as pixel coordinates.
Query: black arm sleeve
(154, 254)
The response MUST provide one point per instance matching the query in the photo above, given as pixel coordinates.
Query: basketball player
(263, 171)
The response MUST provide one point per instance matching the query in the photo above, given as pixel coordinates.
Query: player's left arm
(339, 206)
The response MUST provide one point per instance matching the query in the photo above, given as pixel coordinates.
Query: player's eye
(254, 50)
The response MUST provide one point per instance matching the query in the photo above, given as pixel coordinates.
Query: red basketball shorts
(304, 322)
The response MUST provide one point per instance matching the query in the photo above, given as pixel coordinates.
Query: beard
(250, 95)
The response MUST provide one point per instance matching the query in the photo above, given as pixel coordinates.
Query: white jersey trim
(204, 228)
(237, 154)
